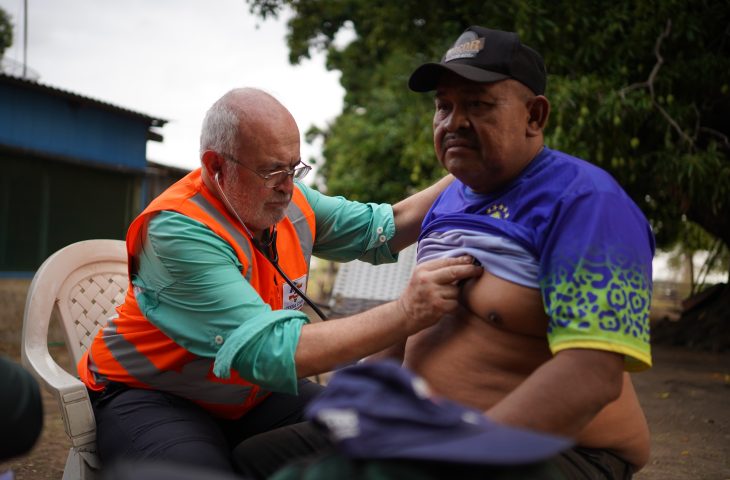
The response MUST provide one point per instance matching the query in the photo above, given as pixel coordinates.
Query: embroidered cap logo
(466, 46)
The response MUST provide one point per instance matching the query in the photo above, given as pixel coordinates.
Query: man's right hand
(433, 290)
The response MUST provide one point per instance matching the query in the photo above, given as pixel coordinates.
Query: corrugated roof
(11, 79)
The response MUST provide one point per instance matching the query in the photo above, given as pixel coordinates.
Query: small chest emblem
(498, 211)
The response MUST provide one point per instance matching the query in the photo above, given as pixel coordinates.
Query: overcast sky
(170, 59)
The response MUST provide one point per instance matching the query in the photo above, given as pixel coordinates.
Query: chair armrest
(50, 293)
(70, 392)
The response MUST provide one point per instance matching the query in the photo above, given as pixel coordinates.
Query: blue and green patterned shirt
(568, 228)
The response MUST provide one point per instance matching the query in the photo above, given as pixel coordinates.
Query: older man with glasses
(210, 346)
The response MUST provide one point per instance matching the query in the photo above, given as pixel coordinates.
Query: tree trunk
(714, 223)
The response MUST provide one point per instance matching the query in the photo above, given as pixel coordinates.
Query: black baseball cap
(485, 55)
(380, 410)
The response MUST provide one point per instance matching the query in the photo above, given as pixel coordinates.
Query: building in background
(71, 168)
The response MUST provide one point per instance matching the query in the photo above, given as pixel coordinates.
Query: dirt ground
(685, 396)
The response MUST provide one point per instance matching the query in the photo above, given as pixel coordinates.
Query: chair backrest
(361, 286)
(80, 285)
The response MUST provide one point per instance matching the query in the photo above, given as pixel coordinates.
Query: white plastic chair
(80, 285)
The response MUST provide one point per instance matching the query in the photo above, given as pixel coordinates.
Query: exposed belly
(478, 359)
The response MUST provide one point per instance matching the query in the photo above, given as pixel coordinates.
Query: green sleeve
(349, 230)
(190, 286)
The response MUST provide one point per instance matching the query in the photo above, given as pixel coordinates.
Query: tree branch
(649, 85)
(724, 140)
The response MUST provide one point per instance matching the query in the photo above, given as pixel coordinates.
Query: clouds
(170, 59)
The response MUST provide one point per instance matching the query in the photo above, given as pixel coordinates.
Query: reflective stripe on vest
(241, 241)
(299, 221)
(185, 383)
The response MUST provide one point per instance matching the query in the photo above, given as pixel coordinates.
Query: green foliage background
(638, 88)
(6, 32)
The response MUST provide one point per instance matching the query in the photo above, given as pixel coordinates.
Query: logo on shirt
(499, 211)
(291, 300)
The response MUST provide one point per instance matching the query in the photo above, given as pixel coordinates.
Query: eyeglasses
(276, 178)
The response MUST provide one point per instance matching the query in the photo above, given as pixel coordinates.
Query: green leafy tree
(6, 32)
(638, 88)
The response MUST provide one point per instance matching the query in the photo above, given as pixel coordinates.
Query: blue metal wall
(42, 122)
(71, 168)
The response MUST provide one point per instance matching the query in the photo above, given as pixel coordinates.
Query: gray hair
(220, 127)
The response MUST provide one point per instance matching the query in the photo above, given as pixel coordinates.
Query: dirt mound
(703, 325)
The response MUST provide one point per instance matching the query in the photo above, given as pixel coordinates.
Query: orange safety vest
(133, 351)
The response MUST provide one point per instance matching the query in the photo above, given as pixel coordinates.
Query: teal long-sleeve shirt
(189, 285)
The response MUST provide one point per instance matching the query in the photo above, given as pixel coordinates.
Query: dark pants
(591, 463)
(265, 454)
(153, 426)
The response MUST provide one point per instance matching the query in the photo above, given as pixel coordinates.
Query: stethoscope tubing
(272, 247)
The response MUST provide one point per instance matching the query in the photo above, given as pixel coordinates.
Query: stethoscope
(267, 249)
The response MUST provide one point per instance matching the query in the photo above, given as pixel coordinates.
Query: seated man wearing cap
(544, 337)
(546, 334)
